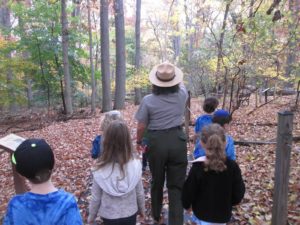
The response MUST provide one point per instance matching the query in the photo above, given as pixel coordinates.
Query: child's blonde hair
(214, 140)
(109, 117)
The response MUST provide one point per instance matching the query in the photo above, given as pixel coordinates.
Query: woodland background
(65, 62)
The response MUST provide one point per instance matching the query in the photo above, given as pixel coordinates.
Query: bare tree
(120, 91)
(137, 61)
(220, 44)
(291, 50)
(5, 23)
(155, 24)
(93, 97)
(65, 42)
(105, 62)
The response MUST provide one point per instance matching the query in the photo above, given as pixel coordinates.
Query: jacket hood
(112, 180)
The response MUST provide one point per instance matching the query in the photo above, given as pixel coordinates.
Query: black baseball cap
(33, 156)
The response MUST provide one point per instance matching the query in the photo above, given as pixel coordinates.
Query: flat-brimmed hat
(165, 75)
(33, 156)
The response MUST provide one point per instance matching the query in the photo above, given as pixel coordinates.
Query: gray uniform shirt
(161, 112)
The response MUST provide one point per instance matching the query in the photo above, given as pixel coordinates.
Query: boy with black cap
(44, 203)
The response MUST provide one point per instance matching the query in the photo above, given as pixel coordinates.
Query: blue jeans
(201, 222)
(131, 220)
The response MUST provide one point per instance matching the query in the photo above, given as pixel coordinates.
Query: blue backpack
(96, 148)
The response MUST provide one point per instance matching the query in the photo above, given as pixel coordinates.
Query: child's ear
(226, 126)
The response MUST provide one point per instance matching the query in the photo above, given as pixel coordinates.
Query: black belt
(168, 129)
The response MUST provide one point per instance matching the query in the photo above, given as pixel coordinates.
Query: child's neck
(43, 188)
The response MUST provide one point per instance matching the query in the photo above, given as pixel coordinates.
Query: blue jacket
(96, 148)
(202, 121)
(230, 150)
(55, 208)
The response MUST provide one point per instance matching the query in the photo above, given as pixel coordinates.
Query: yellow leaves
(270, 72)
(3, 43)
(212, 64)
(139, 79)
(52, 1)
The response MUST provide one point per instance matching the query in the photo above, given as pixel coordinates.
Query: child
(209, 106)
(44, 203)
(223, 118)
(108, 118)
(214, 183)
(117, 190)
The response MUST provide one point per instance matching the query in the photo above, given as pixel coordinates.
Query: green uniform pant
(167, 157)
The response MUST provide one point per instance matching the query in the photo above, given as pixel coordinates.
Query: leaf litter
(71, 141)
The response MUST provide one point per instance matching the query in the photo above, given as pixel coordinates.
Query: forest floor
(71, 141)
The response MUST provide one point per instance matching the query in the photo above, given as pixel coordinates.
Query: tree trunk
(65, 42)
(176, 38)
(26, 56)
(189, 38)
(76, 10)
(220, 45)
(120, 56)
(97, 58)
(187, 30)
(105, 64)
(137, 61)
(93, 97)
(77, 23)
(298, 92)
(156, 34)
(43, 74)
(291, 50)
(29, 93)
(6, 23)
(225, 88)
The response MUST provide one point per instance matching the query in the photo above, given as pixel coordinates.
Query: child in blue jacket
(44, 203)
(209, 106)
(108, 118)
(223, 118)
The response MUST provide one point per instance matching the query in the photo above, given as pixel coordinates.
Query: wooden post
(187, 115)
(282, 166)
(260, 96)
(10, 143)
(256, 98)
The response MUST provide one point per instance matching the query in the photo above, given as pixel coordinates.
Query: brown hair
(156, 90)
(41, 176)
(117, 146)
(214, 140)
(210, 104)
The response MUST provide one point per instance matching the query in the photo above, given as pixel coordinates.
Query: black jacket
(212, 194)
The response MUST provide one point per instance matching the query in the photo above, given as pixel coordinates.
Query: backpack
(96, 147)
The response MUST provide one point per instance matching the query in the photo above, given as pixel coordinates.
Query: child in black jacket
(214, 183)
